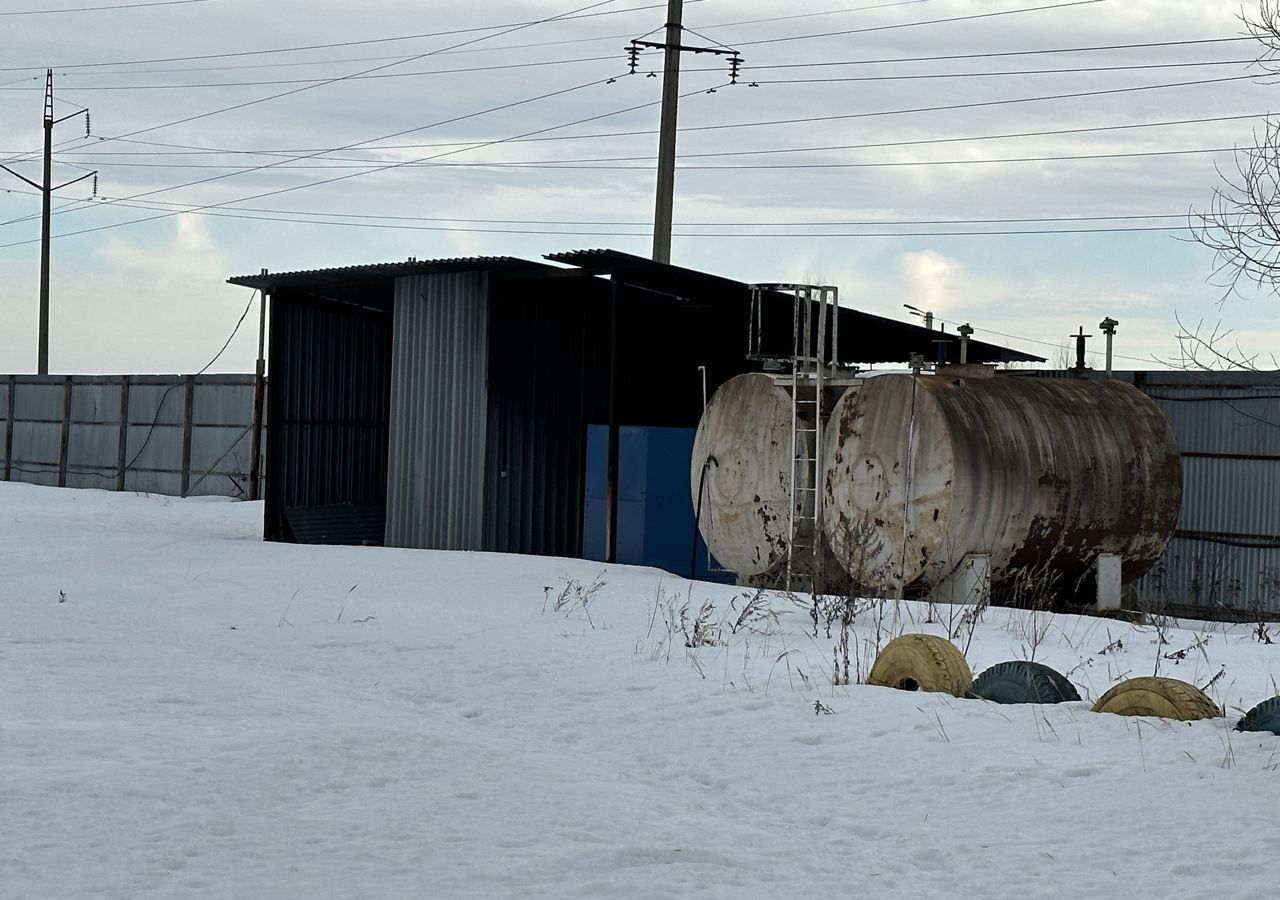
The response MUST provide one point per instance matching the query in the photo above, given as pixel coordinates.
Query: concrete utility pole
(672, 48)
(665, 201)
(46, 189)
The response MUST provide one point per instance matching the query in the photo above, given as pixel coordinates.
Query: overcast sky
(860, 139)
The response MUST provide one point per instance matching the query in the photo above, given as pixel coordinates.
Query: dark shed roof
(386, 271)
(864, 337)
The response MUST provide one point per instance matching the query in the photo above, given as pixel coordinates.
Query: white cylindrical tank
(743, 445)
(1041, 474)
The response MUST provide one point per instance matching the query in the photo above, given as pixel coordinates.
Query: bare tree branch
(1241, 224)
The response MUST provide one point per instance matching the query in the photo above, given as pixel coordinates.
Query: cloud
(138, 304)
(937, 283)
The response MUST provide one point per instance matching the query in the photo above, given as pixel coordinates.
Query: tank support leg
(970, 583)
(1108, 578)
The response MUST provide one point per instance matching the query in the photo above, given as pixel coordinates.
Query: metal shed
(445, 403)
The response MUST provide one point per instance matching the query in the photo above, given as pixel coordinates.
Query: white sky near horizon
(754, 201)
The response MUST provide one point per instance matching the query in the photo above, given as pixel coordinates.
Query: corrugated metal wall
(439, 398)
(327, 444)
(164, 434)
(548, 375)
(1226, 551)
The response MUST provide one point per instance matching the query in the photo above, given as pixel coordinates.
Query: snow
(188, 711)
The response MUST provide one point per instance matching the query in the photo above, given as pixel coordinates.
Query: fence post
(122, 451)
(8, 429)
(187, 407)
(65, 442)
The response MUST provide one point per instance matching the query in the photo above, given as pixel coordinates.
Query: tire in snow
(1167, 698)
(1263, 717)
(922, 662)
(1020, 681)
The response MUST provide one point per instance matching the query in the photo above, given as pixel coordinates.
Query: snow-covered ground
(188, 711)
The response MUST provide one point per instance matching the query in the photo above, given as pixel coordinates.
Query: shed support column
(611, 487)
(1108, 578)
(259, 394)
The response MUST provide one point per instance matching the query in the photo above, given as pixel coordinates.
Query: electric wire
(340, 163)
(843, 116)
(307, 87)
(165, 396)
(746, 68)
(354, 43)
(897, 25)
(590, 59)
(974, 105)
(560, 43)
(1018, 72)
(73, 9)
(383, 137)
(222, 212)
(338, 178)
(298, 90)
(194, 150)
(993, 54)
(690, 224)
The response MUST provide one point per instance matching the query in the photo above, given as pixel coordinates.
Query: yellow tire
(1167, 698)
(922, 662)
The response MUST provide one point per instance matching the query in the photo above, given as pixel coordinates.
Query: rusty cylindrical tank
(744, 444)
(1042, 474)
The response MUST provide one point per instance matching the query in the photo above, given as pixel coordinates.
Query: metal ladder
(812, 359)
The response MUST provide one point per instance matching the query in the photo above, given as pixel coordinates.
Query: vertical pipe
(662, 213)
(1108, 326)
(42, 353)
(122, 448)
(965, 330)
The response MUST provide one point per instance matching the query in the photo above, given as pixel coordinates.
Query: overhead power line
(74, 9)
(194, 150)
(405, 223)
(338, 178)
(197, 85)
(331, 163)
(1019, 72)
(994, 54)
(70, 70)
(298, 90)
(974, 105)
(504, 29)
(560, 43)
(737, 223)
(896, 25)
(271, 65)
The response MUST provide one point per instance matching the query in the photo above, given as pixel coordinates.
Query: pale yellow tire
(922, 662)
(1166, 698)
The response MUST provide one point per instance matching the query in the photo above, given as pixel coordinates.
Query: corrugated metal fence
(165, 434)
(1226, 551)
(1224, 558)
